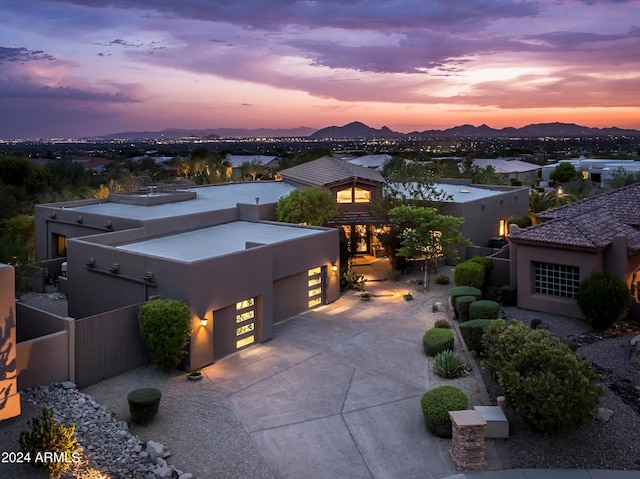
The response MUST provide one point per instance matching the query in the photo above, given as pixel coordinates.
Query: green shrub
(603, 298)
(436, 404)
(48, 436)
(165, 326)
(484, 309)
(487, 264)
(547, 384)
(143, 404)
(469, 274)
(442, 279)
(449, 365)
(509, 295)
(521, 221)
(442, 323)
(436, 340)
(472, 332)
(462, 307)
(457, 291)
(352, 280)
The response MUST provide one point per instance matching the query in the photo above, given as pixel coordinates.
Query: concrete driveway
(337, 392)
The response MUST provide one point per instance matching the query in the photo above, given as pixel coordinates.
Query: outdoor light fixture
(79, 219)
(334, 269)
(91, 262)
(483, 205)
(501, 200)
(560, 191)
(52, 216)
(108, 225)
(472, 436)
(114, 268)
(148, 276)
(203, 322)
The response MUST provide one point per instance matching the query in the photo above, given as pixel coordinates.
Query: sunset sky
(89, 67)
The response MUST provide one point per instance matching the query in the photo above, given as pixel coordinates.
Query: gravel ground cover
(614, 444)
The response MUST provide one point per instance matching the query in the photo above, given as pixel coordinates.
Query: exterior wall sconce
(91, 262)
(114, 268)
(53, 216)
(472, 436)
(148, 276)
(79, 219)
(203, 322)
(560, 191)
(334, 270)
(501, 200)
(515, 197)
(257, 201)
(483, 205)
(108, 225)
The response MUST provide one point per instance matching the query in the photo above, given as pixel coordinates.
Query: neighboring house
(594, 169)
(511, 169)
(91, 163)
(354, 187)
(371, 161)
(216, 247)
(485, 208)
(595, 235)
(240, 163)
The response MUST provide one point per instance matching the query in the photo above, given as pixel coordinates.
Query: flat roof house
(595, 235)
(217, 248)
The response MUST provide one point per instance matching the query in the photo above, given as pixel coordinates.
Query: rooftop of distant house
(503, 165)
(328, 171)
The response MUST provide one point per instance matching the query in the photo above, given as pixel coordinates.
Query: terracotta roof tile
(591, 223)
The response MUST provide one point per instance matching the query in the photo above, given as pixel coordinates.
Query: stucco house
(217, 248)
(511, 168)
(598, 234)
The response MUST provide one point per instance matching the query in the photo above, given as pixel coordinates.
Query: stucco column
(616, 257)
(9, 396)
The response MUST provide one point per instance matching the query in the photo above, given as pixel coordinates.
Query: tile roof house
(571, 242)
(516, 169)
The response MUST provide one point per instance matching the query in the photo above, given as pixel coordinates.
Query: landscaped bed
(614, 444)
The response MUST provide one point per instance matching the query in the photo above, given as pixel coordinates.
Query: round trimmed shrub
(603, 299)
(462, 307)
(458, 291)
(487, 264)
(143, 404)
(484, 309)
(469, 274)
(165, 326)
(436, 340)
(472, 332)
(436, 404)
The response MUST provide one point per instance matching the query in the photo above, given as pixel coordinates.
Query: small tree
(165, 326)
(564, 172)
(308, 206)
(425, 232)
(603, 298)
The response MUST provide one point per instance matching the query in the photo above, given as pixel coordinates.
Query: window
(502, 228)
(245, 329)
(314, 271)
(314, 282)
(556, 280)
(315, 292)
(361, 196)
(245, 316)
(344, 196)
(245, 342)
(247, 303)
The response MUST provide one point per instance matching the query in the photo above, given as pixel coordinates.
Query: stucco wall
(522, 258)
(9, 396)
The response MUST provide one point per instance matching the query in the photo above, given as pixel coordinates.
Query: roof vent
(465, 191)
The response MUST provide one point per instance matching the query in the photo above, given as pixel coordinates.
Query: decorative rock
(161, 462)
(635, 350)
(102, 439)
(163, 472)
(186, 475)
(603, 414)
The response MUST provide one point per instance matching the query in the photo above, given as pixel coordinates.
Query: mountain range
(358, 130)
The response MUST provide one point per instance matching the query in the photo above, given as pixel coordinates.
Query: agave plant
(449, 365)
